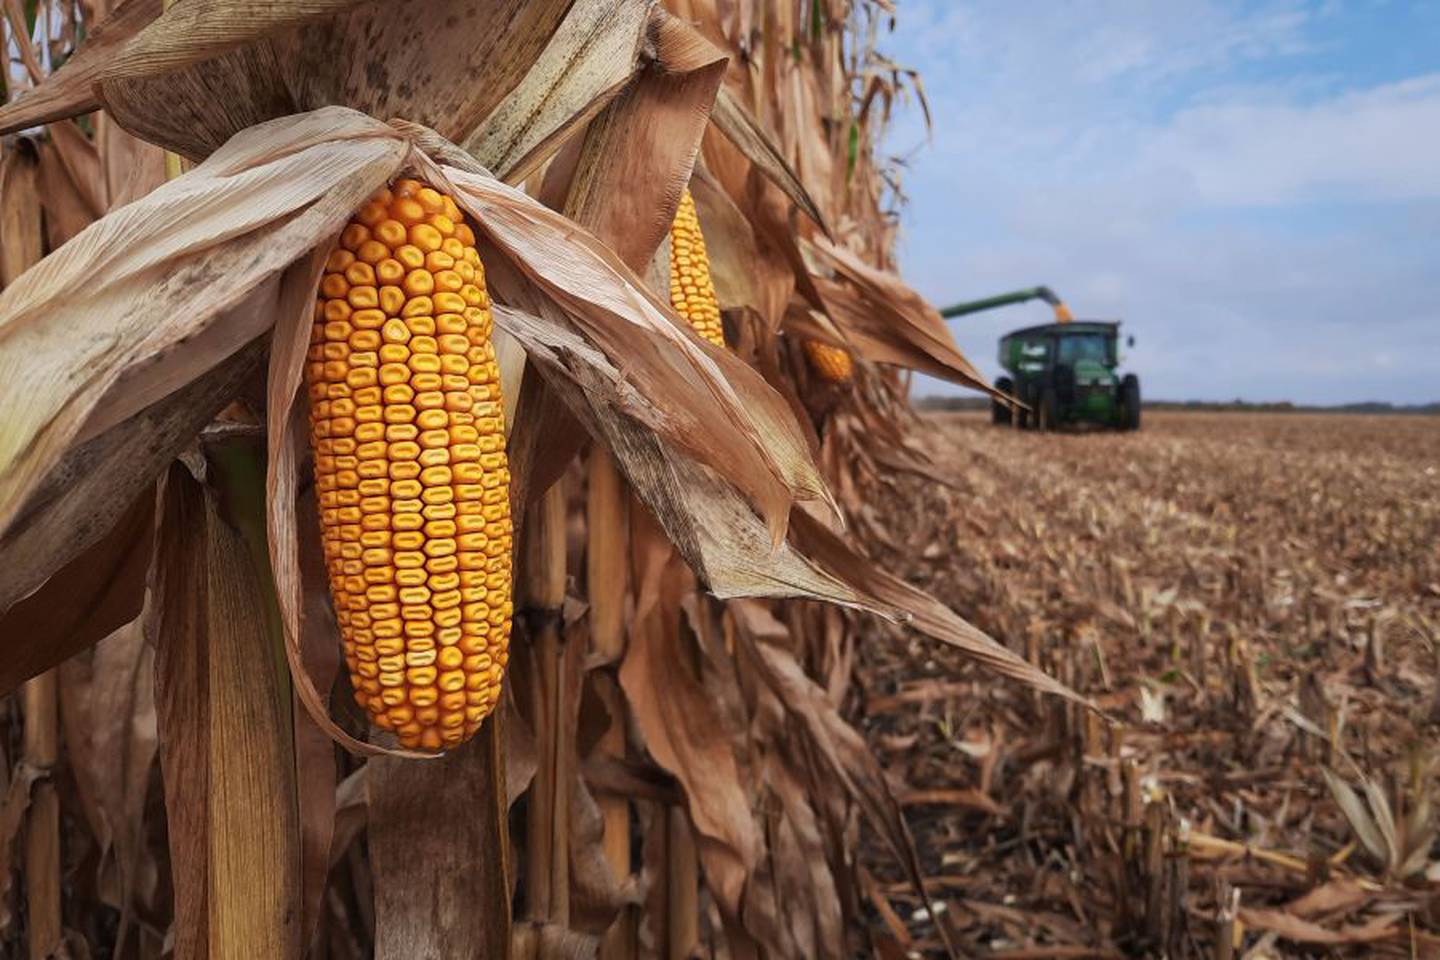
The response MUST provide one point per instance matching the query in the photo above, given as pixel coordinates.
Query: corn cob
(832, 363)
(692, 292)
(409, 441)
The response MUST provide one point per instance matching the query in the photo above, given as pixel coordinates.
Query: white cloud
(1382, 143)
(1264, 230)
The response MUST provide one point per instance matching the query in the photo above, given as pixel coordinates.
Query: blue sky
(1253, 188)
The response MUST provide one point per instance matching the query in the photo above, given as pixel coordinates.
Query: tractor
(1063, 373)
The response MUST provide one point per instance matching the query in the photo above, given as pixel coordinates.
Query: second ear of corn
(408, 434)
(834, 364)
(692, 294)
(692, 291)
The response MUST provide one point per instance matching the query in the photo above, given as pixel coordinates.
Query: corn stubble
(408, 434)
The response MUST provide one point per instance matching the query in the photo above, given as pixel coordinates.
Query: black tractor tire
(1130, 402)
(1000, 412)
(1045, 411)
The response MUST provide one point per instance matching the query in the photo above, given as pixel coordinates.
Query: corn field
(456, 500)
(390, 567)
(1253, 599)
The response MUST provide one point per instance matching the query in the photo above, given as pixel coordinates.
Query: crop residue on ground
(1255, 599)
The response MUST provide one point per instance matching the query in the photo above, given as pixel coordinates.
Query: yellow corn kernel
(692, 292)
(834, 364)
(406, 423)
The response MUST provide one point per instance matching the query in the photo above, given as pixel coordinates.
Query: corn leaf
(68, 521)
(315, 771)
(107, 707)
(887, 320)
(884, 593)
(447, 64)
(718, 533)
(587, 61)
(730, 243)
(69, 91)
(132, 308)
(638, 153)
(750, 138)
(760, 452)
(21, 239)
(85, 599)
(1360, 819)
(13, 804)
(834, 744)
(226, 747)
(683, 726)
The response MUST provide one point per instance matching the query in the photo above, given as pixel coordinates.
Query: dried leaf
(69, 91)
(241, 69)
(315, 772)
(588, 61)
(226, 747)
(130, 310)
(887, 320)
(132, 167)
(80, 158)
(729, 241)
(679, 723)
(713, 527)
(107, 707)
(72, 184)
(846, 759)
(352, 810)
(21, 239)
(758, 450)
(1360, 819)
(639, 151)
(72, 520)
(87, 598)
(12, 817)
(447, 64)
(1335, 896)
(884, 593)
(1293, 928)
(750, 138)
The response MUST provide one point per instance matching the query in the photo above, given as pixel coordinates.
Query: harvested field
(1255, 600)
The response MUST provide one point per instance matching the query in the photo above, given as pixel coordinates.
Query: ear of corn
(409, 441)
(834, 364)
(692, 292)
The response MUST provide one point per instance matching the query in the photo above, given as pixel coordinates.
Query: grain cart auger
(1062, 312)
(1063, 371)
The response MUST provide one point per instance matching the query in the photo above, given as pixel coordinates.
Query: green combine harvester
(1062, 373)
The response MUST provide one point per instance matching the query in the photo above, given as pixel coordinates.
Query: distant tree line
(959, 403)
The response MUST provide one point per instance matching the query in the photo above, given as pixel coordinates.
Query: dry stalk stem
(42, 827)
(548, 873)
(607, 560)
(683, 878)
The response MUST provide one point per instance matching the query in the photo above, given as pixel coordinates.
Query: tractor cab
(1065, 373)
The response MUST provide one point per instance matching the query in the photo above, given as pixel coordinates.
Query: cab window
(1083, 346)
